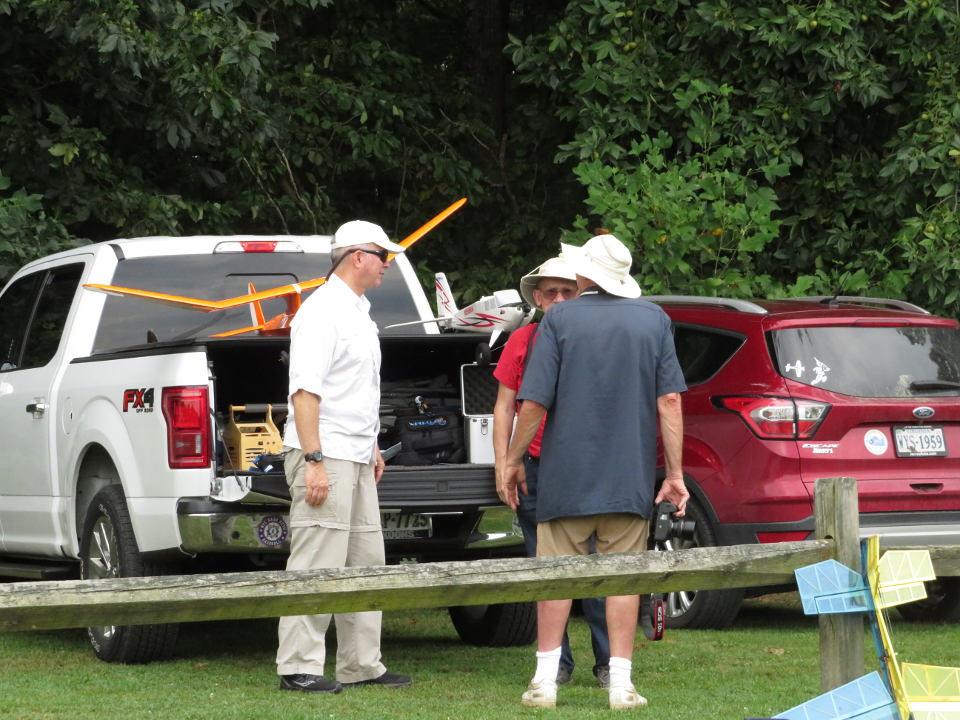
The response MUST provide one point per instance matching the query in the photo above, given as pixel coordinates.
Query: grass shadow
(781, 610)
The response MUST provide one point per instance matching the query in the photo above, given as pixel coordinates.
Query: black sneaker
(388, 679)
(310, 684)
(602, 673)
(564, 675)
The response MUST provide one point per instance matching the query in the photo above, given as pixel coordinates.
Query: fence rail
(182, 598)
(185, 598)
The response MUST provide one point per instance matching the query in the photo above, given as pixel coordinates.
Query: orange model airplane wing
(208, 305)
(276, 325)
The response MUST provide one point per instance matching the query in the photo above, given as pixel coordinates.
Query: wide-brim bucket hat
(606, 261)
(555, 267)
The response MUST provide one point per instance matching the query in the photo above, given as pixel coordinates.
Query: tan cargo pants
(342, 532)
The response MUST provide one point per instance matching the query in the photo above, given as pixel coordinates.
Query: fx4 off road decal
(139, 400)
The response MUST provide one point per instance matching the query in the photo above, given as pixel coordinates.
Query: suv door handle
(38, 408)
(927, 487)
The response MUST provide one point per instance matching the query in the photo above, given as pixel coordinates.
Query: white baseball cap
(361, 232)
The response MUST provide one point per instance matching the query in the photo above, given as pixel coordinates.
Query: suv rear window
(871, 361)
(126, 320)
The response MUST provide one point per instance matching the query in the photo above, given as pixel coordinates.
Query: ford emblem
(922, 413)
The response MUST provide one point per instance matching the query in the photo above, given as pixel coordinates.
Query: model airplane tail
(446, 305)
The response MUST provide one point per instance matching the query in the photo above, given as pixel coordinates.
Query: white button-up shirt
(335, 353)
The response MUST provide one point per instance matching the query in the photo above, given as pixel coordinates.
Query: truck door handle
(37, 409)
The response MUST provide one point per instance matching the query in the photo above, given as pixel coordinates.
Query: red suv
(783, 392)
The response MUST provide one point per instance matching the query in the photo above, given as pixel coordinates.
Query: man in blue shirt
(605, 368)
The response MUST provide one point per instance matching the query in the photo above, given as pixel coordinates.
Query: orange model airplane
(280, 324)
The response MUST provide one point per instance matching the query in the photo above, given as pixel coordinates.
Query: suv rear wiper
(934, 385)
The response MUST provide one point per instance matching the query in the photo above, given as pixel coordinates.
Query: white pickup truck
(122, 419)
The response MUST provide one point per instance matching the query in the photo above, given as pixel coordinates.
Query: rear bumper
(907, 529)
(207, 526)
(894, 529)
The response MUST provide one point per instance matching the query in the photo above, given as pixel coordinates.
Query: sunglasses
(551, 293)
(382, 254)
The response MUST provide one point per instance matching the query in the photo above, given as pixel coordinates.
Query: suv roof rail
(862, 300)
(732, 303)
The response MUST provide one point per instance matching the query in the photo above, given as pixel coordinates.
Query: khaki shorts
(615, 532)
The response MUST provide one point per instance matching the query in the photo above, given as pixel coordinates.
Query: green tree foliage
(750, 148)
(742, 148)
(125, 118)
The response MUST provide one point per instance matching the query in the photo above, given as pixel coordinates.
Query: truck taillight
(187, 412)
(773, 418)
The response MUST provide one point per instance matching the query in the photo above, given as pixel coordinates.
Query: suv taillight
(774, 418)
(187, 413)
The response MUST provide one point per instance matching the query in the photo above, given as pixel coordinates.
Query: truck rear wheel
(942, 603)
(108, 549)
(500, 625)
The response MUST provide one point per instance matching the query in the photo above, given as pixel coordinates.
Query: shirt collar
(592, 290)
(342, 291)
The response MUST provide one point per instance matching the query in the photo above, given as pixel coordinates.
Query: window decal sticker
(797, 367)
(820, 371)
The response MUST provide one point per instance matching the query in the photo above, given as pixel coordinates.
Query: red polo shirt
(509, 370)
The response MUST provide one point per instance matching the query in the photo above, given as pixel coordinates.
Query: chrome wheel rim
(103, 561)
(678, 602)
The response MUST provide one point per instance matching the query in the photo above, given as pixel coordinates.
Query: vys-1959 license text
(920, 441)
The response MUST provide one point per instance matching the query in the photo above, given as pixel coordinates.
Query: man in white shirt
(332, 461)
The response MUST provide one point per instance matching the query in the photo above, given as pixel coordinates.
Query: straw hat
(606, 261)
(555, 267)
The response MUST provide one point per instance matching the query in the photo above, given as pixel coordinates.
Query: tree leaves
(814, 131)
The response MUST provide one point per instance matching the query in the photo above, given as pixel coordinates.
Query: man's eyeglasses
(382, 254)
(551, 293)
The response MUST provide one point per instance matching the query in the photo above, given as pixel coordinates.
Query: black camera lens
(665, 526)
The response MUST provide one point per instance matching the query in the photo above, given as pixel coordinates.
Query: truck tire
(108, 549)
(942, 603)
(501, 625)
(701, 609)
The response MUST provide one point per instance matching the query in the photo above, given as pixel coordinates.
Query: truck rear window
(871, 361)
(128, 321)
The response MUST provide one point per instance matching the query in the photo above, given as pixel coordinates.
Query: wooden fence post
(837, 516)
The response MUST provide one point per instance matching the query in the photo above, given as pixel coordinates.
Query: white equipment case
(478, 395)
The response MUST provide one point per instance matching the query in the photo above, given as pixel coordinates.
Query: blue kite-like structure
(898, 691)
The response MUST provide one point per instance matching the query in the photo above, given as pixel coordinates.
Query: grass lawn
(768, 663)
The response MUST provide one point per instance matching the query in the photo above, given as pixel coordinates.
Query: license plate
(404, 526)
(920, 441)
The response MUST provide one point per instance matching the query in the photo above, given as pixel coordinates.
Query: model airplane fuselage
(492, 315)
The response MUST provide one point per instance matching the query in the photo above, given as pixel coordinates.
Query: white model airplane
(492, 315)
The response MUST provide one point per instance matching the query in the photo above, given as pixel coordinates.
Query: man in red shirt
(550, 283)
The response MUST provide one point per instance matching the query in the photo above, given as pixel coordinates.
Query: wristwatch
(315, 456)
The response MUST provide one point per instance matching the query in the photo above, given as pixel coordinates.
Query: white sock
(620, 672)
(548, 663)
